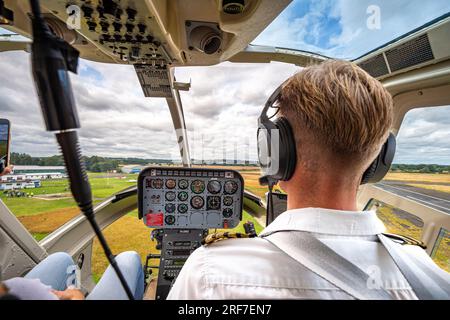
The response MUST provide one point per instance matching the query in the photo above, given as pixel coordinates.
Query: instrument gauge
(170, 196)
(227, 212)
(214, 187)
(182, 208)
(157, 183)
(227, 201)
(183, 184)
(182, 196)
(213, 203)
(170, 208)
(171, 183)
(197, 186)
(230, 187)
(197, 202)
(169, 219)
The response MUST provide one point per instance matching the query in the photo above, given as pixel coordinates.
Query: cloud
(117, 120)
(424, 136)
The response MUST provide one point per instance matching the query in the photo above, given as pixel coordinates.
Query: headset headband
(272, 100)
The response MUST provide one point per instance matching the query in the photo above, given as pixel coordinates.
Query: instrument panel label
(154, 219)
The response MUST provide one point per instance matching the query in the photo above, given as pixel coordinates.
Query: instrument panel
(191, 198)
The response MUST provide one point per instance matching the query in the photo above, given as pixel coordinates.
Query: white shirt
(255, 269)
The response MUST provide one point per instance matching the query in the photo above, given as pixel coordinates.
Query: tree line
(93, 163)
(421, 168)
(103, 164)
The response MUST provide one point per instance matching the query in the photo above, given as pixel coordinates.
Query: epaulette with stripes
(219, 236)
(405, 240)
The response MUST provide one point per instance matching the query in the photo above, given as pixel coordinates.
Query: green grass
(51, 187)
(32, 206)
(39, 236)
(102, 187)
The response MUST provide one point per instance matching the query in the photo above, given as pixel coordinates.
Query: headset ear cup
(370, 171)
(382, 163)
(288, 150)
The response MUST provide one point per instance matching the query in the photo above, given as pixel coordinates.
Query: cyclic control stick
(52, 57)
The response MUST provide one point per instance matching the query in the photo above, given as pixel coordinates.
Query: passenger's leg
(109, 286)
(57, 271)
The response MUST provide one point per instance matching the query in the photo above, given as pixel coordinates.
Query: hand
(7, 170)
(3, 289)
(69, 294)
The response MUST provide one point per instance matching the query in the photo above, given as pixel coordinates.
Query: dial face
(230, 187)
(157, 183)
(182, 208)
(214, 187)
(182, 196)
(227, 212)
(213, 203)
(170, 183)
(169, 219)
(197, 186)
(197, 202)
(227, 201)
(183, 184)
(170, 196)
(170, 208)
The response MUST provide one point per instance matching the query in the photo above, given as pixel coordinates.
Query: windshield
(347, 29)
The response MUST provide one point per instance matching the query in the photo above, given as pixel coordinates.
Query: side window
(47, 204)
(421, 174)
(398, 221)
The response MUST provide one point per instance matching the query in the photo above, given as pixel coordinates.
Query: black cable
(81, 191)
(109, 255)
(35, 9)
(51, 59)
(269, 209)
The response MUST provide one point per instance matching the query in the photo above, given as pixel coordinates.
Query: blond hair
(346, 110)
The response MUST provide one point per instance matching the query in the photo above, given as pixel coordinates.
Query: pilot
(340, 117)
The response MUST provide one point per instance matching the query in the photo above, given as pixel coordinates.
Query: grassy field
(129, 233)
(425, 177)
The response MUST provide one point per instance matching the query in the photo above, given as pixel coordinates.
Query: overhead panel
(123, 29)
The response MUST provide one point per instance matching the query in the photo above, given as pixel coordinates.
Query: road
(435, 199)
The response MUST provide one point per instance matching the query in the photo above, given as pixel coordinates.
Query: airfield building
(26, 177)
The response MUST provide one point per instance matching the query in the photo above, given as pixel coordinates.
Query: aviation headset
(277, 153)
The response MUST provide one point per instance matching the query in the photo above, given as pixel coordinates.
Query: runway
(435, 199)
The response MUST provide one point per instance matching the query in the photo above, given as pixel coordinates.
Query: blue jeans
(58, 269)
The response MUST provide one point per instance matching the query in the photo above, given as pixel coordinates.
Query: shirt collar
(327, 221)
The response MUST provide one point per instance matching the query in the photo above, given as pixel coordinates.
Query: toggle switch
(131, 14)
(142, 28)
(87, 11)
(129, 27)
(91, 25)
(105, 26)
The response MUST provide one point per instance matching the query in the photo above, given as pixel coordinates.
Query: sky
(347, 29)
(225, 100)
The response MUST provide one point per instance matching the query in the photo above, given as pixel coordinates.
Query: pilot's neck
(322, 192)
